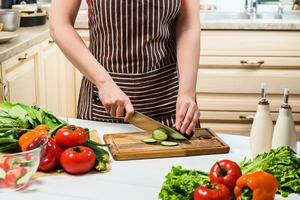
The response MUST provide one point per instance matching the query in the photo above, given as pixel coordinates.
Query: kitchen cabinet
(42, 75)
(61, 81)
(232, 66)
(50, 82)
(20, 77)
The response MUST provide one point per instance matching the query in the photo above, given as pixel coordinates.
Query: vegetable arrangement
(17, 118)
(259, 178)
(69, 147)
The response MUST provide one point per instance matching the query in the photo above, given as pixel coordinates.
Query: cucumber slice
(27, 163)
(24, 179)
(159, 134)
(149, 141)
(2, 174)
(168, 143)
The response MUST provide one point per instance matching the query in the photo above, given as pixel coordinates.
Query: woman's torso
(133, 36)
(134, 40)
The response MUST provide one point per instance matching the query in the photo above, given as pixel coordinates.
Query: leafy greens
(281, 162)
(16, 118)
(180, 183)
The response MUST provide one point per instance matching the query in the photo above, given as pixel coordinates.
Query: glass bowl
(17, 169)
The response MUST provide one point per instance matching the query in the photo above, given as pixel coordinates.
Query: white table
(128, 180)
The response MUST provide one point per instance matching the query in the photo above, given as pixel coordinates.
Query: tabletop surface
(129, 180)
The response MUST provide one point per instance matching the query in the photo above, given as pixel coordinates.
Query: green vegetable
(96, 143)
(17, 118)
(102, 157)
(149, 141)
(24, 179)
(176, 135)
(159, 134)
(282, 163)
(2, 174)
(168, 143)
(27, 163)
(181, 183)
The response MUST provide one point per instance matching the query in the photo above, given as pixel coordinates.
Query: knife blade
(148, 124)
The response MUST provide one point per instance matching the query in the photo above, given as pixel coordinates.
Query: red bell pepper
(50, 154)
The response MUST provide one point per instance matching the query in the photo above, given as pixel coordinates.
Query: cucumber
(168, 143)
(176, 135)
(27, 163)
(159, 134)
(24, 179)
(149, 141)
(2, 174)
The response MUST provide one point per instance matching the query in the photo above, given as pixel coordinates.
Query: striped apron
(134, 40)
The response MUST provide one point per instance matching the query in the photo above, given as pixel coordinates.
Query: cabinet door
(50, 81)
(20, 77)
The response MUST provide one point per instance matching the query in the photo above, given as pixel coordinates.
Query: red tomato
(12, 176)
(3, 166)
(212, 192)
(225, 172)
(71, 136)
(78, 160)
(2, 184)
(9, 162)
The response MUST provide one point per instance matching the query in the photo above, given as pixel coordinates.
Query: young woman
(143, 56)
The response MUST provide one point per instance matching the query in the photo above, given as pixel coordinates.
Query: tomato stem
(211, 186)
(77, 149)
(72, 128)
(222, 172)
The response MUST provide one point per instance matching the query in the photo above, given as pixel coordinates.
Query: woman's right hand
(115, 101)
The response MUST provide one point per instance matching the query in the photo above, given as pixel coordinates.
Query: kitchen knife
(148, 124)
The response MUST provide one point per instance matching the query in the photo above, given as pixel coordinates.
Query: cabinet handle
(6, 92)
(252, 63)
(24, 57)
(51, 41)
(248, 117)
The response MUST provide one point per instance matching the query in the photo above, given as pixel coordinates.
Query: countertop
(129, 180)
(254, 24)
(233, 24)
(27, 37)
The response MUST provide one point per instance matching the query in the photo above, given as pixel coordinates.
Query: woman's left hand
(187, 113)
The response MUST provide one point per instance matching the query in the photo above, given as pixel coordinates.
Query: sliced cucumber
(2, 174)
(176, 135)
(168, 143)
(24, 179)
(13, 161)
(27, 163)
(159, 134)
(149, 141)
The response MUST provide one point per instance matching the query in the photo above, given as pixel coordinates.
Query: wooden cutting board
(128, 146)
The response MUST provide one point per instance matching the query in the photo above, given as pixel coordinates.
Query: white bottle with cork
(285, 131)
(262, 127)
